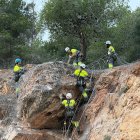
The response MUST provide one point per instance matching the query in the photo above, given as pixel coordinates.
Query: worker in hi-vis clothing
(111, 54)
(18, 69)
(74, 54)
(82, 75)
(69, 103)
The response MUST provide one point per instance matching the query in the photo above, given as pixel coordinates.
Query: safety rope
(97, 64)
(64, 128)
(120, 60)
(17, 89)
(93, 93)
(102, 62)
(79, 100)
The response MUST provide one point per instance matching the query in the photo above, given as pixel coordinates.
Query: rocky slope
(38, 109)
(112, 114)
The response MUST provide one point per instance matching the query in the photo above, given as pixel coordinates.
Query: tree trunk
(83, 45)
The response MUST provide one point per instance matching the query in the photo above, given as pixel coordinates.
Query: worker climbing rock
(111, 54)
(18, 70)
(82, 75)
(69, 105)
(74, 54)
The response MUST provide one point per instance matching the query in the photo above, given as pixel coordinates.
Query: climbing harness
(80, 81)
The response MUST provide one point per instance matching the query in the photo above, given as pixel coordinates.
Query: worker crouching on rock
(18, 69)
(74, 54)
(69, 103)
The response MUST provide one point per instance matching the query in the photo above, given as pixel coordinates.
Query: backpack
(114, 56)
(69, 111)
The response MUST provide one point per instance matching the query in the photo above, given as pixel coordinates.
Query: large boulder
(39, 104)
(7, 109)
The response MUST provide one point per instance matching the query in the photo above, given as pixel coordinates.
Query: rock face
(6, 84)
(23, 133)
(38, 106)
(115, 111)
(39, 102)
(37, 114)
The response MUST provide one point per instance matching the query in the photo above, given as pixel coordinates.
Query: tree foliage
(85, 20)
(16, 21)
(81, 24)
(125, 35)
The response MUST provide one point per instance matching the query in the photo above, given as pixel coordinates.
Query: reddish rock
(115, 111)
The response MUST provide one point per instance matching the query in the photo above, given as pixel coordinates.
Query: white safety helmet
(67, 49)
(83, 66)
(108, 42)
(68, 95)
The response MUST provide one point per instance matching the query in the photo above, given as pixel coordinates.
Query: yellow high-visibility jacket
(17, 68)
(80, 73)
(69, 103)
(111, 50)
(74, 51)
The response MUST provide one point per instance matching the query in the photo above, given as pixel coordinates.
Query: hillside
(112, 114)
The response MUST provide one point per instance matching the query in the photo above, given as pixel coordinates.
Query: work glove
(61, 96)
(70, 56)
(109, 53)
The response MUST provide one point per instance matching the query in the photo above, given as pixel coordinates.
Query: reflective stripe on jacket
(80, 73)
(69, 103)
